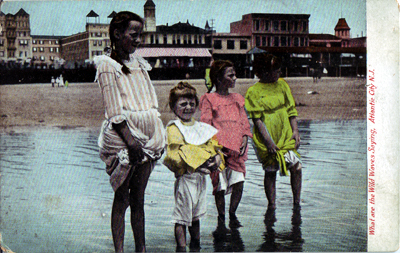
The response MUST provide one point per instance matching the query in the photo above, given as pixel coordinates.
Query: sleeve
(206, 110)
(107, 79)
(182, 157)
(252, 104)
(290, 102)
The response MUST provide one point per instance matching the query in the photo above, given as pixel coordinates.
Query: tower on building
(342, 29)
(149, 16)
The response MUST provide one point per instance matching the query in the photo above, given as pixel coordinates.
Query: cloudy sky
(66, 17)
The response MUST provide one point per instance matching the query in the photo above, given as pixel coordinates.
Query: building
(274, 30)
(78, 50)
(15, 39)
(46, 52)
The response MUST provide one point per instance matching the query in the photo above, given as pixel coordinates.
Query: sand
(80, 105)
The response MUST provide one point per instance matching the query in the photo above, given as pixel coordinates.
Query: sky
(67, 17)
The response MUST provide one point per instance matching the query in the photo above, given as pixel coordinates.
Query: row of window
(41, 42)
(281, 41)
(177, 39)
(43, 58)
(230, 44)
(279, 25)
(42, 49)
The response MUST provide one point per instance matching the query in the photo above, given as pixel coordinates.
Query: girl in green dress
(271, 106)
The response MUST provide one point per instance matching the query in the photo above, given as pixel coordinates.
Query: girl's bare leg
(138, 185)
(194, 232)
(180, 236)
(270, 189)
(220, 203)
(120, 204)
(295, 181)
(237, 191)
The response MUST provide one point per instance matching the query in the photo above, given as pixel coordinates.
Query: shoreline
(80, 105)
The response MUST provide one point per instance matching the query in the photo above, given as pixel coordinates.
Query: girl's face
(185, 108)
(129, 40)
(229, 78)
(270, 77)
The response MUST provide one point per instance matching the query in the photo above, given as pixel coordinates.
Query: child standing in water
(225, 111)
(271, 106)
(191, 154)
(132, 137)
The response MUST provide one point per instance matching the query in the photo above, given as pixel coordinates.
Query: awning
(172, 52)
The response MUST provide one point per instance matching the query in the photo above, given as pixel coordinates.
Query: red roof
(342, 25)
(172, 52)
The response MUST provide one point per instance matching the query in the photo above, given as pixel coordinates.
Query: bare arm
(271, 146)
(295, 130)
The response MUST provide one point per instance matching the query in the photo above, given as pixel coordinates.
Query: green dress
(273, 103)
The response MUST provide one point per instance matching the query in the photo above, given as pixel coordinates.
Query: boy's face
(185, 108)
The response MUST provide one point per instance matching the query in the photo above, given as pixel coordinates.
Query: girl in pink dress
(225, 111)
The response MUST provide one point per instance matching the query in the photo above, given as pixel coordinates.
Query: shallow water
(55, 197)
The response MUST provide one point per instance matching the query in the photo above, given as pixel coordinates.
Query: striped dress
(131, 98)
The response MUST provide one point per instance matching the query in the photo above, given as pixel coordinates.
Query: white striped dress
(131, 98)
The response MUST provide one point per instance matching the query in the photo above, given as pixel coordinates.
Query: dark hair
(266, 63)
(182, 89)
(121, 22)
(217, 69)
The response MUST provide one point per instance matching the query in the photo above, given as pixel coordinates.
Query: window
(95, 43)
(152, 39)
(41, 42)
(296, 41)
(42, 58)
(1, 53)
(217, 44)
(304, 26)
(276, 25)
(52, 58)
(50, 42)
(56, 42)
(264, 41)
(257, 41)
(100, 43)
(1, 43)
(34, 49)
(230, 44)
(178, 40)
(256, 25)
(283, 41)
(157, 41)
(185, 39)
(41, 49)
(267, 24)
(283, 26)
(295, 25)
(21, 54)
(302, 42)
(276, 41)
(51, 49)
(165, 39)
(243, 44)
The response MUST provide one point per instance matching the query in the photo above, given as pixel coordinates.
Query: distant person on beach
(225, 111)
(132, 137)
(53, 81)
(271, 106)
(191, 154)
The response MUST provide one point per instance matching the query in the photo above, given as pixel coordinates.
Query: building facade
(15, 38)
(46, 52)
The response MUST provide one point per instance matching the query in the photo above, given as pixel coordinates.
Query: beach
(80, 105)
(56, 197)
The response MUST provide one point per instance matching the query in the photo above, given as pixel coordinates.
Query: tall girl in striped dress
(132, 137)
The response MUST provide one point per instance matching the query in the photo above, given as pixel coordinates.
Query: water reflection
(227, 240)
(282, 241)
(55, 197)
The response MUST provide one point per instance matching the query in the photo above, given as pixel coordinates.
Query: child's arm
(243, 146)
(210, 165)
(271, 146)
(135, 151)
(295, 130)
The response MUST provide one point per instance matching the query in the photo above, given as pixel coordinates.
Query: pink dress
(227, 114)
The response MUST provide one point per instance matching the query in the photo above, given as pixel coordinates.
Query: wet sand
(80, 105)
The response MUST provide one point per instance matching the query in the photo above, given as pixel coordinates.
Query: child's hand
(296, 137)
(243, 146)
(135, 153)
(204, 171)
(272, 148)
